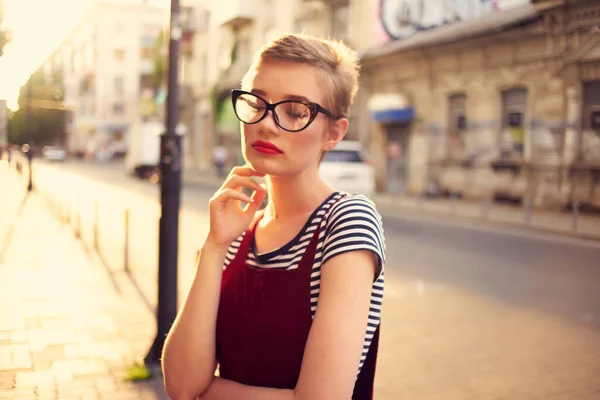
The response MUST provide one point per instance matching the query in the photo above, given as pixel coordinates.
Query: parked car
(348, 168)
(54, 153)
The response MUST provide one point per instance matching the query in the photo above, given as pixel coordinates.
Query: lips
(266, 147)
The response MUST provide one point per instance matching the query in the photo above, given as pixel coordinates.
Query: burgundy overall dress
(264, 320)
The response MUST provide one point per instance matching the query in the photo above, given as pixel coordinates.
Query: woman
(287, 299)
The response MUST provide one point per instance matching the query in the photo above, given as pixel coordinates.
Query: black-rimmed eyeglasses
(289, 115)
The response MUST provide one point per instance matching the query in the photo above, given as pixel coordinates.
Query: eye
(297, 110)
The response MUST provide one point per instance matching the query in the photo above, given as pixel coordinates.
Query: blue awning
(394, 115)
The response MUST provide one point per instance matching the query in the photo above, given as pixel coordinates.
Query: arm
(188, 360)
(334, 345)
(189, 355)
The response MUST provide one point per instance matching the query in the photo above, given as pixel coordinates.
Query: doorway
(398, 139)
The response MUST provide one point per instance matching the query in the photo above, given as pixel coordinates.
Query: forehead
(281, 80)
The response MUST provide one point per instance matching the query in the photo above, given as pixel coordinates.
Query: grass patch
(138, 372)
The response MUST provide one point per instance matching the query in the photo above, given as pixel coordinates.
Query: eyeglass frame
(315, 109)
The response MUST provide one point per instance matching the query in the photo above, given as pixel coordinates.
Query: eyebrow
(287, 97)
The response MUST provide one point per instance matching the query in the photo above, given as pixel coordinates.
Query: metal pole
(486, 205)
(575, 217)
(96, 225)
(126, 248)
(170, 193)
(28, 133)
(528, 210)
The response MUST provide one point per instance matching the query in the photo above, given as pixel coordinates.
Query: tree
(47, 115)
(4, 39)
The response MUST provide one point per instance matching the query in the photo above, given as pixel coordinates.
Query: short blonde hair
(337, 62)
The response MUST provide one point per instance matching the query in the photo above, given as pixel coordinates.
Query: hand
(227, 217)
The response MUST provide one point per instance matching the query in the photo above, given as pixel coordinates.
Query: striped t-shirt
(347, 224)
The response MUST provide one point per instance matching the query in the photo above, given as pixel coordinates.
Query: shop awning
(390, 107)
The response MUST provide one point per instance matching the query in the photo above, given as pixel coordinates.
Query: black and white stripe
(351, 224)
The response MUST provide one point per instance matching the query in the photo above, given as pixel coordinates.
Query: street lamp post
(170, 194)
(28, 135)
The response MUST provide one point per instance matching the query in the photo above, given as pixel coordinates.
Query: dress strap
(242, 252)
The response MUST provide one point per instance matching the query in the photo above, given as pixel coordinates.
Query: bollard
(126, 248)
(486, 206)
(96, 225)
(197, 256)
(68, 214)
(575, 220)
(420, 200)
(453, 199)
(78, 226)
(528, 210)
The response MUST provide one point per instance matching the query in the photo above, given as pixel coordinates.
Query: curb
(434, 216)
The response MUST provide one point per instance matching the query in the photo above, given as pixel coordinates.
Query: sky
(37, 28)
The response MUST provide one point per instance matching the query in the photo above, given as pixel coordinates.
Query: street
(468, 313)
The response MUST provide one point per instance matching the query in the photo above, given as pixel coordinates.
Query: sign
(403, 18)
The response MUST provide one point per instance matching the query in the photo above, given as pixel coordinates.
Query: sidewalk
(456, 211)
(69, 329)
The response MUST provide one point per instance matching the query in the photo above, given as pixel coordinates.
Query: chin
(264, 167)
(263, 164)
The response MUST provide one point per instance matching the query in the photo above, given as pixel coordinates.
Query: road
(469, 312)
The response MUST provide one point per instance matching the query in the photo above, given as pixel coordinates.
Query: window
(457, 125)
(204, 69)
(147, 53)
(591, 105)
(118, 108)
(119, 85)
(340, 22)
(513, 122)
(119, 55)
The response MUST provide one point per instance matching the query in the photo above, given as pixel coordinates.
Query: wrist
(214, 247)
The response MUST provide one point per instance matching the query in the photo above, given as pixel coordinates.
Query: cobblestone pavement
(68, 329)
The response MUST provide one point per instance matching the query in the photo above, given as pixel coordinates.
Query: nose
(268, 123)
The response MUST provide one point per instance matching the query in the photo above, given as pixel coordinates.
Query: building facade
(500, 101)
(108, 68)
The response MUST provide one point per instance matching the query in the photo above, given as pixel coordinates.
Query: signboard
(399, 19)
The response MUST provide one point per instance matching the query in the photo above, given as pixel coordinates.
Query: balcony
(146, 66)
(234, 13)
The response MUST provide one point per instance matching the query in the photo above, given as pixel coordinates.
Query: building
(220, 39)
(501, 100)
(108, 68)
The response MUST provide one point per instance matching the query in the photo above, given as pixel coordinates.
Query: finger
(257, 199)
(237, 182)
(245, 171)
(229, 194)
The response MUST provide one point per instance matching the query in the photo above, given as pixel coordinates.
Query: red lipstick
(266, 147)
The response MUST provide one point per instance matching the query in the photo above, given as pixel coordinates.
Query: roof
(496, 21)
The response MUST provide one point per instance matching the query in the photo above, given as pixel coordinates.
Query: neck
(291, 196)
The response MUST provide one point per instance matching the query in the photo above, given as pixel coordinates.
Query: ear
(335, 133)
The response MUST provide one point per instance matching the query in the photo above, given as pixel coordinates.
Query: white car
(54, 153)
(348, 168)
